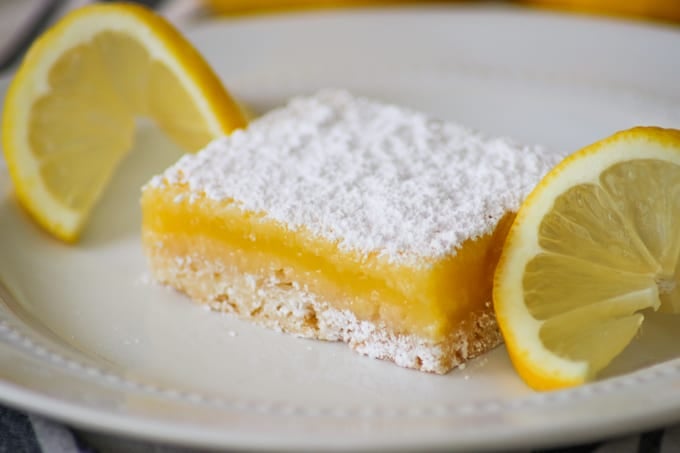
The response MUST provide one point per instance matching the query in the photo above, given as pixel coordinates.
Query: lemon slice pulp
(595, 244)
(69, 116)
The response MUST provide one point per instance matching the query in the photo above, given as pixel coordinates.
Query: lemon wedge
(70, 112)
(594, 245)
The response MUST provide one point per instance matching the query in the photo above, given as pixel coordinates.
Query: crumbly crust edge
(288, 307)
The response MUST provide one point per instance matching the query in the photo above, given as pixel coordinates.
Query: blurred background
(663, 10)
(21, 21)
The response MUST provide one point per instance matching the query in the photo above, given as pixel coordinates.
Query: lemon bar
(343, 218)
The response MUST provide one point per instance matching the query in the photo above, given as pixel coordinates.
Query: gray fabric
(16, 433)
(53, 437)
(21, 433)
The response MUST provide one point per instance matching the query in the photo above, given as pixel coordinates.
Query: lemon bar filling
(343, 218)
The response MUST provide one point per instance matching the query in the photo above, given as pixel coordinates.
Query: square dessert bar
(341, 218)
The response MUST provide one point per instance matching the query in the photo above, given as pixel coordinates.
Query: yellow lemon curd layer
(343, 218)
(429, 299)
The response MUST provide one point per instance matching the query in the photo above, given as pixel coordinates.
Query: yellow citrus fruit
(592, 247)
(236, 7)
(70, 111)
(665, 10)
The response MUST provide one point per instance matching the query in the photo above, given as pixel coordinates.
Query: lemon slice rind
(220, 114)
(539, 366)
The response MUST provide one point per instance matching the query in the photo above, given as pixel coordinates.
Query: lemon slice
(595, 244)
(69, 116)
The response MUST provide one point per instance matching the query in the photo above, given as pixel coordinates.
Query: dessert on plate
(342, 218)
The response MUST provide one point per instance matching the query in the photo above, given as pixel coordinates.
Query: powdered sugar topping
(371, 176)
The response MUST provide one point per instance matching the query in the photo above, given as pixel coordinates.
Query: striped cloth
(26, 433)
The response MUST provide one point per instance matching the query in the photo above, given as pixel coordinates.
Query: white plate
(85, 338)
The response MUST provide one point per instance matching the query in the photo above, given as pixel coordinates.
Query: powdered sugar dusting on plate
(371, 176)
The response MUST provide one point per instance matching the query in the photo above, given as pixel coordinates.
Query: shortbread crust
(361, 190)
